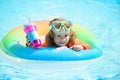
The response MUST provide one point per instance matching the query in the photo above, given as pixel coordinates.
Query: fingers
(28, 43)
(77, 47)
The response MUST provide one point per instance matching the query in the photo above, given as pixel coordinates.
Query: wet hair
(49, 38)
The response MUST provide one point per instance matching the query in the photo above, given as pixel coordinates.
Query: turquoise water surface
(102, 17)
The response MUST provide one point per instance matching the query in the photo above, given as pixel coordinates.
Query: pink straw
(29, 20)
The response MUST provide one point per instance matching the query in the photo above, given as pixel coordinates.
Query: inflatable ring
(13, 46)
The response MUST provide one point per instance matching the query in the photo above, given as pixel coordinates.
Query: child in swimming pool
(61, 34)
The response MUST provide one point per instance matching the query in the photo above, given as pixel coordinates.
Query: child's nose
(62, 38)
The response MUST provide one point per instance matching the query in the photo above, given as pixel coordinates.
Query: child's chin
(62, 45)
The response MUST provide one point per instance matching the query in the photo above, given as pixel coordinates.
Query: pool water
(102, 17)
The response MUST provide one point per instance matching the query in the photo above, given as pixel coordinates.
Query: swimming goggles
(59, 25)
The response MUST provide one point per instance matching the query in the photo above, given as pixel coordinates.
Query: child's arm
(83, 44)
(78, 45)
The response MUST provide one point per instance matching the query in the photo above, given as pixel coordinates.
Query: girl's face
(61, 39)
(61, 30)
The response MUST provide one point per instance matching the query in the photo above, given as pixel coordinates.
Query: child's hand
(28, 43)
(77, 47)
